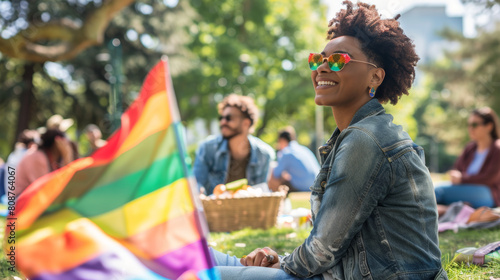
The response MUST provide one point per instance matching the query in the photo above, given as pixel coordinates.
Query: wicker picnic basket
(229, 214)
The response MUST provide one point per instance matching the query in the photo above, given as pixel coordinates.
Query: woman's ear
(377, 77)
(490, 126)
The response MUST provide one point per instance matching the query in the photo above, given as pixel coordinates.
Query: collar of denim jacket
(253, 147)
(223, 148)
(371, 108)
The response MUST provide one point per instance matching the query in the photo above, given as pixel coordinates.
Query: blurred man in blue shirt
(297, 166)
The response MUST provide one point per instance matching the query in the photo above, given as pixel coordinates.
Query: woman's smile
(325, 84)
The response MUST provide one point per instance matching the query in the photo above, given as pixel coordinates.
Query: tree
(468, 78)
(465, 79)
(55, 39)
(257, 48)
(32, 34)
(80, 87)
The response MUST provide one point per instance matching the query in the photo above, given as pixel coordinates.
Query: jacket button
(323, 183)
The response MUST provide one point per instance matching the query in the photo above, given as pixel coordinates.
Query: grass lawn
(283, 240)
(239, 243)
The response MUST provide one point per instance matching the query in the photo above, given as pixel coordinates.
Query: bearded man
(235, 153)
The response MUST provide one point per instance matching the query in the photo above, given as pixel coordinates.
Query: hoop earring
(372, 92)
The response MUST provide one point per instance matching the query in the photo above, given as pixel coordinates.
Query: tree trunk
(26, 99)
(265, 119)
(68, 37)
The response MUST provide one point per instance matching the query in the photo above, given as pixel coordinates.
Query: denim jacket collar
(372, 107)
(223, 148)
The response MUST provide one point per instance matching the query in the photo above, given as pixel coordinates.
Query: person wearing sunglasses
(235, 153)
(373, 206)
(475, 176)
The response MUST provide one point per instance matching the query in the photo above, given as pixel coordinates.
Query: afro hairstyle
(383, 42)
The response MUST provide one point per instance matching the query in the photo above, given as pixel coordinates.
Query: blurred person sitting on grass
(373, 207)
(54, 152)
(475, 176)
(297, 166)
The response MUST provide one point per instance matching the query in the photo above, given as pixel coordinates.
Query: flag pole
(199, 217)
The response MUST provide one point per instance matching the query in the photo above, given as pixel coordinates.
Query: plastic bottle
(466, 255)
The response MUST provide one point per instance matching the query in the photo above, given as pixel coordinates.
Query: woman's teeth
(326, 83)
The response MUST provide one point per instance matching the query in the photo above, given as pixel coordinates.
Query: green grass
(239, 243)
(242, 242)
(450, 242)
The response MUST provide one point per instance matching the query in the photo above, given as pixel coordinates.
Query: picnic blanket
(461, 216)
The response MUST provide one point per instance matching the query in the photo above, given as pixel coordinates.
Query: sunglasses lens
(315, 60)
(337, 61)
(227, 118)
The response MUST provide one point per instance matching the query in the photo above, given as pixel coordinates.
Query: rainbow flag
(129, 211)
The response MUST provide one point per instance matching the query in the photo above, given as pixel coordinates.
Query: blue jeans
(231, 268)
(476, 195)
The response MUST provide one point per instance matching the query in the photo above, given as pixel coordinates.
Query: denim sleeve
(200, 167)
(341, 203)
(266, 166)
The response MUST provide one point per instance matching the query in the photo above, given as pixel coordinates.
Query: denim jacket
(373, 206)
(212, 162)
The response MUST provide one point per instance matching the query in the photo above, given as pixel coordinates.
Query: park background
(86, 60)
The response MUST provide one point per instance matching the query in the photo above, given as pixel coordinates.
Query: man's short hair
(287, 133)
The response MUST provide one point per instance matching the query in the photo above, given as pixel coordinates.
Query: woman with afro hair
(373, 206)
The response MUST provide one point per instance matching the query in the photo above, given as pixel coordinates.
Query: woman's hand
(455, 177)
(261, 257)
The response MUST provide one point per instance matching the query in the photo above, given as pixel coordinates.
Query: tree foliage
(257, 48)
(80, 88)
(464, 80)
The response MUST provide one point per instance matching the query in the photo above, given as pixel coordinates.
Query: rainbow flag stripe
(126, 212)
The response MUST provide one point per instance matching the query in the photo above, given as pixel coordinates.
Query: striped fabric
(126, 212)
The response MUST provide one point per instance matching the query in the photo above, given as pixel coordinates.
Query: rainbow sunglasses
(336, 61)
